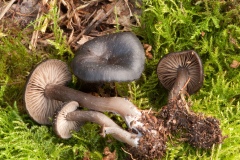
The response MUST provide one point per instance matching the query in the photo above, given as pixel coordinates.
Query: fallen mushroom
(151, 144)
(45, 91)
(69, 119)
(115, 57)
(38, 106)
(40, 92)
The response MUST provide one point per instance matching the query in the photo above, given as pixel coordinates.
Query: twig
(87, 28)
(185, 85)
(128, 153)
(149, 110)
(33, 41)
(182, 92)
(130, 12)
(92, 25)
(7, 8)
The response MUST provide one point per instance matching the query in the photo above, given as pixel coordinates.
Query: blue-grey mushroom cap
(115, 57)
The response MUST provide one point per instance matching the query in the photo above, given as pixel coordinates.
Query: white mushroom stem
(118, 105)
(109, 126)
(91, 116)
(122, 135)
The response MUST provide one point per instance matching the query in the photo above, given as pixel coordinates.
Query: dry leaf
(148, 49)
(108, 154)
(235, 64)
(84, 39)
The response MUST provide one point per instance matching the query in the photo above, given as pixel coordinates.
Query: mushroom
(38, 106)
(180, 71)
(117, 57)
(45, 92)
(69, 119)
(150, 145)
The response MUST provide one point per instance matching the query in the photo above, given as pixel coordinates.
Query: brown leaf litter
(76, 18)
(235, 64)
(152, 144)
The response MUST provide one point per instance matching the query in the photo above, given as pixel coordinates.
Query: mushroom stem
(118, 105)
(91, 116)
(179, 85)
(109, 126)
(122, 135)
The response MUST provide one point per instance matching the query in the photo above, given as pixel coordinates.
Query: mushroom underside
(38, 106)
(170, 64)
(69, 119)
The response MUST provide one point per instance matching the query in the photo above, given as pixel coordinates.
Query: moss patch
(211, 28)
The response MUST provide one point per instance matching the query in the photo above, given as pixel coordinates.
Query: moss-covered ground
(211, 28)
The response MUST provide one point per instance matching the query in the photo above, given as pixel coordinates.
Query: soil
(196, 129)
(152, 144)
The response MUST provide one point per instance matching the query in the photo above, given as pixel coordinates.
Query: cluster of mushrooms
(110, 58)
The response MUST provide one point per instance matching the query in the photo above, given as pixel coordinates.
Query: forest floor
(32, 31)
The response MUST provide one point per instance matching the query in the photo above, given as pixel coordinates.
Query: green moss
(211, 28)
(204, 26)
(16, 61)
(20, 140)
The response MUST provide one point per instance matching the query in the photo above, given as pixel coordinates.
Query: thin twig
(185, 85)
(149, 110)
(7, 8)
(130, 12)
(182, 95)
(128, 153)
(88, 27)
(92, 25)
(33, 42)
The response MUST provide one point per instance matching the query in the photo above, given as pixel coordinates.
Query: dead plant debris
(22, 12)
(234, 64)
(83, 20)
(148, 49)
(76, 18)
(152, 144)
(196, 129)
(109, 155)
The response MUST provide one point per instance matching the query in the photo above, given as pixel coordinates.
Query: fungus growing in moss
(115, 57)
(150, 144)
(176, 69)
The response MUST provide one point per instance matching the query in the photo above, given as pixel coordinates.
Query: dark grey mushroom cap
(168, 66)
(61, 125)
(39, 107)
(114, 57)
